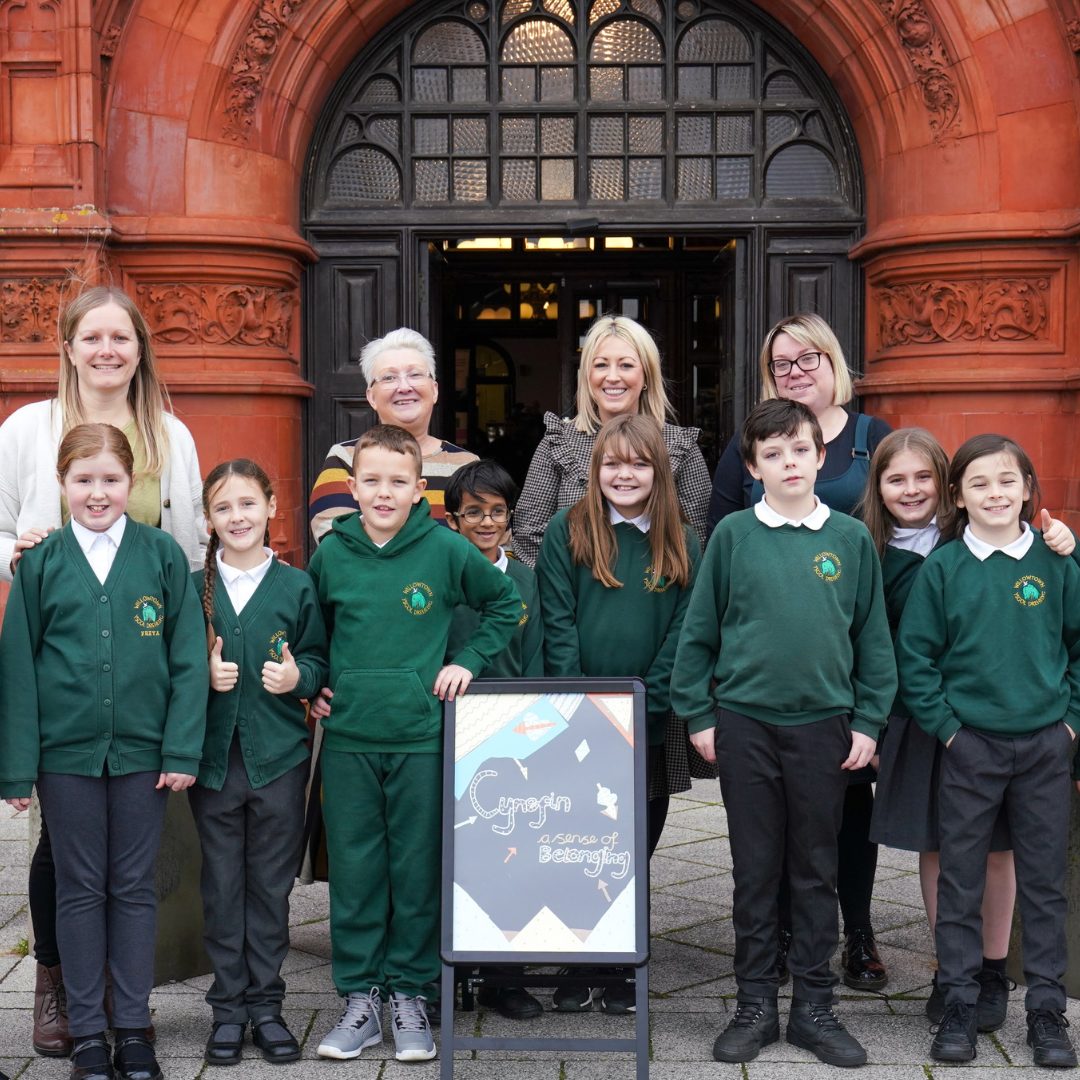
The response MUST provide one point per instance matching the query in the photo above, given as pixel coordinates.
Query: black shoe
(274, 1040)
(815, 1027)
(954, 1039)
(620, 998)
(935, 1003)
(783, 943)
(1048, 1039)
(755, 1024)
(225, 1045)
(990, 1009)
(134, 1058)
(863, 969)
(513, 1002)
(90, 1059)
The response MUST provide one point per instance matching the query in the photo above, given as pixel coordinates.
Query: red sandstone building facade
(277, 181)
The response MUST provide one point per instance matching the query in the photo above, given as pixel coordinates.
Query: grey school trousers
(251, 841)
(105, 833)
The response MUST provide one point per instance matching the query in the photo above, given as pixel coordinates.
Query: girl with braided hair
(267, 647)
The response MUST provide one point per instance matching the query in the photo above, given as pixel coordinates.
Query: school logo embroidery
(827, 566)
(417, 598)
(1029, 591)
(277, 643)
(660, 584)
(149, 615)
(524, 614)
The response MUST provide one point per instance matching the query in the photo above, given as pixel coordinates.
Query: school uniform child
(615, 573)
(788, 619)
(268, 651)
(906, 500)
(103, 687)
(989, 658)
(388, 583)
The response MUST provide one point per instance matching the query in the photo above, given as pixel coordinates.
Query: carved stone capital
(1072, 31)
(211, 314)
(29, 308)
(1005, 309)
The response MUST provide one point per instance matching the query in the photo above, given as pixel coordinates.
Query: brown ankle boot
(51, 1037)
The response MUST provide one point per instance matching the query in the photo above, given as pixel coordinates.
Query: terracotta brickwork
(165, 142)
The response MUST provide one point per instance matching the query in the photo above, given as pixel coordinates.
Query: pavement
(691, 983)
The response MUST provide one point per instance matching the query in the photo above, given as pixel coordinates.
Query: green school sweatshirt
(388, 613)
(790, 623)
(593, 630)
(524, 656)
(992, 645)
(96, 674)
(272, 727)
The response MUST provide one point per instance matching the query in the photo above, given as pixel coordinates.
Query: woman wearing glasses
(399, 370)
(801, 360)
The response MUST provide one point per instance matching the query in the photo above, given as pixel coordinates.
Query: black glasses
(474, 515)
(810, 361)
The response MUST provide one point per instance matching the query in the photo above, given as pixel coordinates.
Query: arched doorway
(495, 173)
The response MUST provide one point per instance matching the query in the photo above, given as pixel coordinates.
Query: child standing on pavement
(268, 651)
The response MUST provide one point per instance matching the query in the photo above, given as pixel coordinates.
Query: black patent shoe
(225, 1045)
(513, 1002)
(1048, 1039)
(815, 1027)
(783, 943)
(274, 1040)
(90, 1060)
(755, 1024)
(863, 969)
(955, 1037)
(134, 1059)
(993, 1003)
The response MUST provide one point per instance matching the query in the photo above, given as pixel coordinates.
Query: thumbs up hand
(281, 678)
(1057, 535)
(223, 673)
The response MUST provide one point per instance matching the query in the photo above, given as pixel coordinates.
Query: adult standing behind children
(108, 374)
(801, 360)
(619, 374)
(402, 388)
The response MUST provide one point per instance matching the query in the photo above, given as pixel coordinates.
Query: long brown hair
(247, 470)
(147, 397)
(871, 507)
(983, 446)
(89, 440)
(592, 538)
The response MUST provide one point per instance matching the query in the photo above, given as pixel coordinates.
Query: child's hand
(30, 538)
(24, 804)
(223, 673)
(452, 681)
(862, 750)
(1057, 535)
(174, 781)
(281, 678)
(704, 742)
(320, 703)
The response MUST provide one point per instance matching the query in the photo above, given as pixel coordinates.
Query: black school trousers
(1030, 776)
(783, 790)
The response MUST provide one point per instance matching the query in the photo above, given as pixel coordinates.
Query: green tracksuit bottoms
(382, 814)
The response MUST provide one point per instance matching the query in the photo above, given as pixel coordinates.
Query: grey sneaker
(360, 1026)
(412, 1033)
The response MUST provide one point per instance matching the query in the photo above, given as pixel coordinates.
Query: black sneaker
(577, 997)
(954, 1039)
(783, 943)
(513, 1002)
(755, 1024)
(863, 969)
(1048, 1039)
(935, 1003)
(815, 1027)
(621, 997)
(990, 1009)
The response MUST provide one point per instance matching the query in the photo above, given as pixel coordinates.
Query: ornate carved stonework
(1072, 30)
(999, 309)
(253, 315)
(29, 309)
(110, 39)
(252, 61)
(931, 62)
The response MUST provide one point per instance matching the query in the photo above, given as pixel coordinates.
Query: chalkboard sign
(544, 823)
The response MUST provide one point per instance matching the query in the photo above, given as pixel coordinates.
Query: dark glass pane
(778, 128)
(379, 91)
(470, 180)
(649, 8)
(695, 83)
(694, 179)
(429, 84)
(606, 83)
(470, 84)
(733, 83)
(814, 126)
(430, 181)
(537, 41)
(364, 175)
(519, 85)
(734, 133)
(431, 135)
(557, 84)
(646, 134)
(512, 9)
(350, 131)
(385, 130)
(733, 178)
(518, 181)
(477, 10)
(601, 8)
(449, 43)
(605, 179)
(695, 135)
(685, 9)
(714, 41)
(470, 135)
(557, 135)
(801, 172)
(606, 135)
(625, 41)
(784, 87)
(646, 83)
(557, 180)
(518, 134)
(646, 178)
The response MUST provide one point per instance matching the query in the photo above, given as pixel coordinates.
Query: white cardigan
(30, 492)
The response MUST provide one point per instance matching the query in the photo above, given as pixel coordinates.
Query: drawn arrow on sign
(602, 886)
(523, 768)
(467, 821)
(532, 730)
(510, 853)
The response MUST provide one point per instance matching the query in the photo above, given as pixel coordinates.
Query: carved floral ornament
(999, 309)
(245, 315)
(29, 308)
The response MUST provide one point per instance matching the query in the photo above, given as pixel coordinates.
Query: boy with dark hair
(389, 580)
(789, 587)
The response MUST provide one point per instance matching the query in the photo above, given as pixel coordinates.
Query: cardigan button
(236, 629)
(104, 633)
(104, 599)
(166, 504)
(106, 667)
(107, 701)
